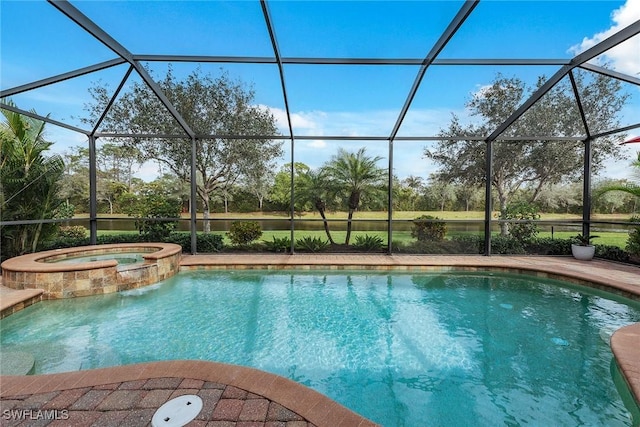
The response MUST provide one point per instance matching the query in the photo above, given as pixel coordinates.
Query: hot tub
(92, 270)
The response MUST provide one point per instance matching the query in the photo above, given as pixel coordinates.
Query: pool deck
(239, 396)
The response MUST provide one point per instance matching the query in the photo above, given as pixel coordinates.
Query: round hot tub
(91, 270)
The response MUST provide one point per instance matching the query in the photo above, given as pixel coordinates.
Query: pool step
(17, 363)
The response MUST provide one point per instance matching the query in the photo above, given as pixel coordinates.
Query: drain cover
(177, 412)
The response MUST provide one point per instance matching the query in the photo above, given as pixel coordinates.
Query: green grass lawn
(612, 238)
(618, 239)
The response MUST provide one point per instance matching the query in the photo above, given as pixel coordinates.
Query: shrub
(120, 238)
(522, 211)
(205, 242)
(312, 244)
(279, 244)
(63, 242)
(506, 245)
(65, 210)
(244, 232)
(431, 247)
(633, 242)
(398, 246)
(72, 232)
(368, 243)
(427, 227)
(612, 253)
(549, 246)
(468, 243)
(148, 212)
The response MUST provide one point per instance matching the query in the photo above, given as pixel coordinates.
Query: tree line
(117, 185)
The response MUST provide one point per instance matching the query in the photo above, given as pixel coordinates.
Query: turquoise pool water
(123, 258)
(401, 349)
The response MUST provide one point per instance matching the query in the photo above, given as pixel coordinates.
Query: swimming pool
(400, 349)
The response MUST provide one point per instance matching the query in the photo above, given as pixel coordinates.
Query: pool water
(123, 258)
(401, 349)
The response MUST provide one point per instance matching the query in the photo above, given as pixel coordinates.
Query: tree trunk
(354, 202)
(205, 211)
(346, 241)
(504, 226)
(320, 208)
(22, 245)
(36, 236)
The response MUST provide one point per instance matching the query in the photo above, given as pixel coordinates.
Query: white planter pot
(584, 253)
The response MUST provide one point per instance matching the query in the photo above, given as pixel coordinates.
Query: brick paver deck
(130, 395)
(238, 396)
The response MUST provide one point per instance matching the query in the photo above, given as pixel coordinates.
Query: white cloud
(302, 120)
(429, 122)
(343, 123)
(316, 144)
(624, 57)
(378, 123)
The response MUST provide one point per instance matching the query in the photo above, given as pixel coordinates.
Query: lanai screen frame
(124, 56)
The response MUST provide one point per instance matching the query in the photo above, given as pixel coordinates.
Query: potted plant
(582, 248)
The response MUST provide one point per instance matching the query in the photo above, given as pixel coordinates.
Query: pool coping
(595, 273)
(618, 278)
(314, 407)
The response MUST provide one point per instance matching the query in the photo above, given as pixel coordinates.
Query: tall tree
(118, 162)
(611, 201)
(441, 192)
(28, 182)
(74, 185)
(404, 195)
(530, 163)
(281, 190)
(259, 181)
(169, 186)
(562, 198)
(414, 182)
(211, 106)
(469, 196)
(407, 193)
(357, 174)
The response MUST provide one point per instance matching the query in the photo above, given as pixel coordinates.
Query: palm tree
(28, 182)
(312, 186)
(358, 175)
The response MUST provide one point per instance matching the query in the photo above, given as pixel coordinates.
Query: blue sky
(324, 99)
